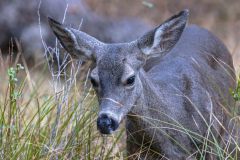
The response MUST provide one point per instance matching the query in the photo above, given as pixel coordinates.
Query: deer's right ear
(76, 43)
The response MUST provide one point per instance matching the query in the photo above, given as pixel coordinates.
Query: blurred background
(219, 16)
(109, 21)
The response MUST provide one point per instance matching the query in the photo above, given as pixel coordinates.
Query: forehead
(114, 55)
(112, 61)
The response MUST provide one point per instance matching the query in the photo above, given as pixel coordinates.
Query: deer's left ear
(164, 37)
(78, 44)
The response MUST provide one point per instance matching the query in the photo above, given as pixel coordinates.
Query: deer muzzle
(106, 124)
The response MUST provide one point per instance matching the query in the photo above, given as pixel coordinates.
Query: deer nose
(106, 124)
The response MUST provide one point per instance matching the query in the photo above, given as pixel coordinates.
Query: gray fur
(184, 86)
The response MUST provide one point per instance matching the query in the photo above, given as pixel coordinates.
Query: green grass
(40, 119)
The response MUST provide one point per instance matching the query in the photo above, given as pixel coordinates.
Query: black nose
(106, 124)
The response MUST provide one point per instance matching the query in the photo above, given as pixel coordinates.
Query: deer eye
(130, 81)
(94, 83)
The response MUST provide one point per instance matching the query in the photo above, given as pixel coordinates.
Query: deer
(171, 86)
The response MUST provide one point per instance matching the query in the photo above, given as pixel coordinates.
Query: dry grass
(44, 117)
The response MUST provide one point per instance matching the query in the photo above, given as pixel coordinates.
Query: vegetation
(55, 120)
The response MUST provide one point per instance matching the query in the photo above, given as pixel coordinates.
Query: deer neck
(150, 100)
